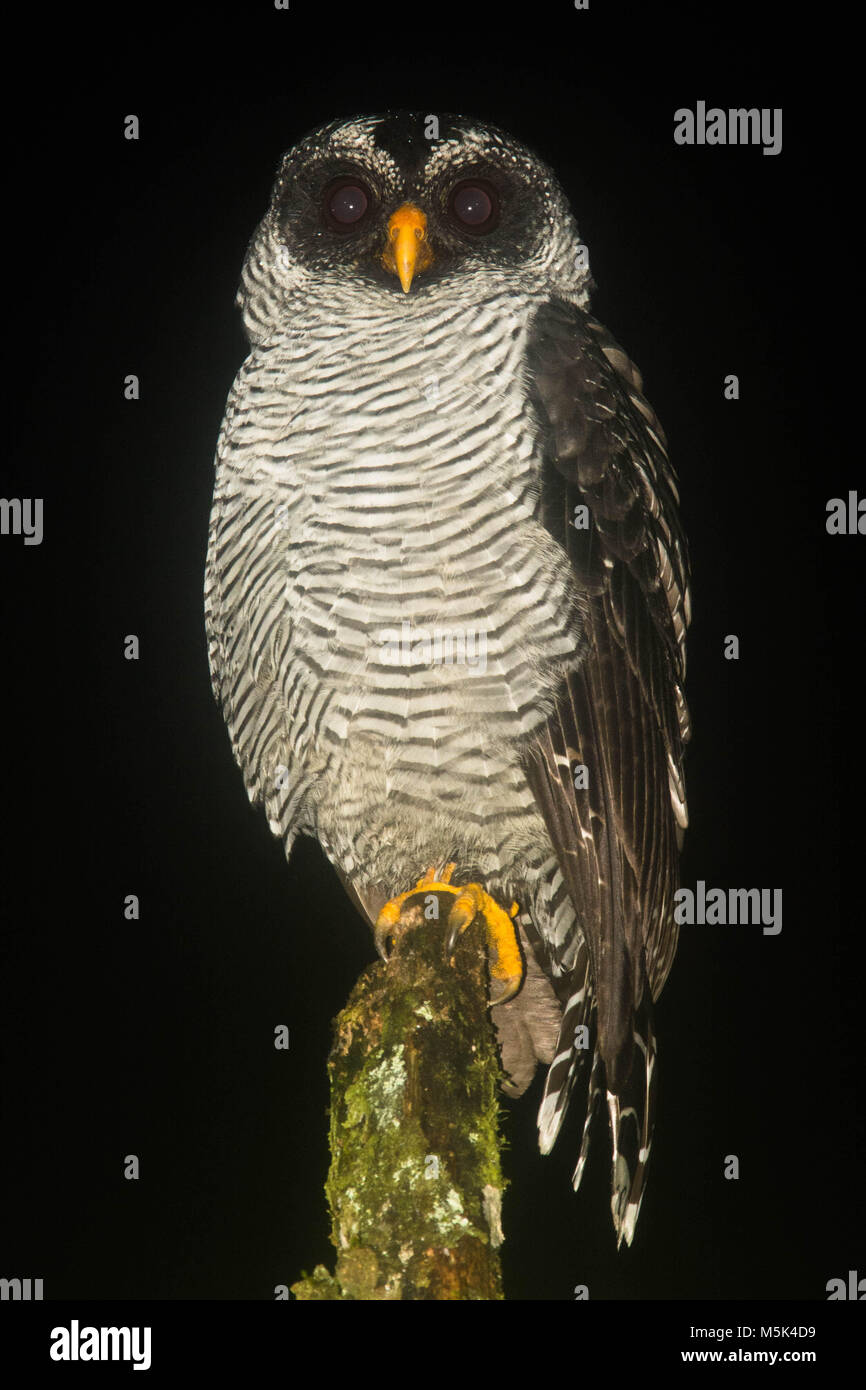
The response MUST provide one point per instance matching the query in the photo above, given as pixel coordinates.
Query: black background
(156, 1037)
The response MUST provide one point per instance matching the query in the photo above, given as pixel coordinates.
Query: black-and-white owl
(447, 586)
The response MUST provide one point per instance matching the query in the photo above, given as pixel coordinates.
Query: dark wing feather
(621, 713)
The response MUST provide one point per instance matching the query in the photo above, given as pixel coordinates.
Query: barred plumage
(392, 465)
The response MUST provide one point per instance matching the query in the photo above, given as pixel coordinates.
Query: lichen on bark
(415, 1185)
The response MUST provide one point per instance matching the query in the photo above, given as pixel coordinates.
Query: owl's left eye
(474, 206)
(345, 203)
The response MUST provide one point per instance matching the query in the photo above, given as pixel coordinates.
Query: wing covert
(621, 714)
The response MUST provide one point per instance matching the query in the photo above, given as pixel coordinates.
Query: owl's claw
(389, 918)
(506, 963)
(471, 901)
(381, 937)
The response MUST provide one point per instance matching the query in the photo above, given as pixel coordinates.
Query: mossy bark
(415, 1185)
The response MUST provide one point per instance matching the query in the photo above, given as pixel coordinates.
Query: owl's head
(409, 205)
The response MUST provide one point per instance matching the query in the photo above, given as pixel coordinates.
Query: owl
(447, 590)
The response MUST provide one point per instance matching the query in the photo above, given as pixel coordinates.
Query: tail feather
(596, 1083)
(631, 1114)
(570, 1055)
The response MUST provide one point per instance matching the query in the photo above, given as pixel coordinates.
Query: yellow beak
(407, 250)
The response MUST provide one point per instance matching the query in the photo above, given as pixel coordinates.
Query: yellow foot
(389, 917)
(471, 901)
(506, 964)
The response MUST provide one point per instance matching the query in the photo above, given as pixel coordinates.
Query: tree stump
(415, 1185)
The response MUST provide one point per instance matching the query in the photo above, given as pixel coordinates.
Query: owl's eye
(345, 203)
(474, 206)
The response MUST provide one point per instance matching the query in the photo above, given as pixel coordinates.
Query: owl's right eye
(345, 204)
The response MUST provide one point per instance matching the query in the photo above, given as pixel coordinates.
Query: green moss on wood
(415, 1184)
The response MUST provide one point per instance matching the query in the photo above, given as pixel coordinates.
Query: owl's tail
(572, 1050)
(631, 1115)
(631, 1109)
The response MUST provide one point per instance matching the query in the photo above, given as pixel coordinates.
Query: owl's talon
(470, 901)
(381, 939)
(506, 962)
(459, 918)
(507, 991)
(389, 918)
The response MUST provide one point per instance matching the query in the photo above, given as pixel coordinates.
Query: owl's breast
(390, 480)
